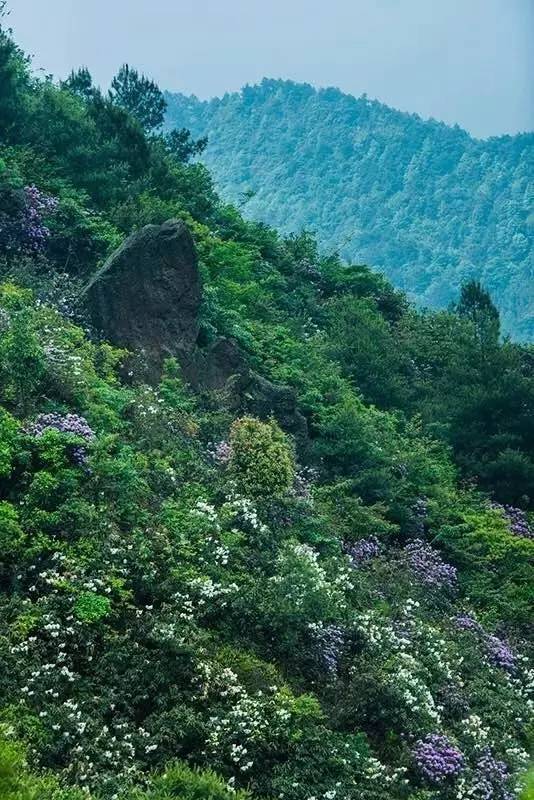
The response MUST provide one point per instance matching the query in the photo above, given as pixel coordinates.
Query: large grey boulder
(147, 295)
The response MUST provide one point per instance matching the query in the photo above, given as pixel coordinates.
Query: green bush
(11, 534)
(18, 783)
(8, 442)
(183, 783)
(90, 607)
(262, 460)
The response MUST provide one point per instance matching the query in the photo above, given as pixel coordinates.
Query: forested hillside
(424, 202)
(265, 529)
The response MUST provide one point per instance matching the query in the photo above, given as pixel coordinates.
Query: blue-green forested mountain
(424, 202)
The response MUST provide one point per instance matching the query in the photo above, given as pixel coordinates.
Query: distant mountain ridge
(422, 201)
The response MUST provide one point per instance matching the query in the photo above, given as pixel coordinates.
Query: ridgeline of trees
(426, 203)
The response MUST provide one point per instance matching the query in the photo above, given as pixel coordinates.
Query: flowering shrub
(304, 582)
(329, 640)
(72, 424)
(305, 478)
(220, 452)
(466, 623)
(247, 724)
(24, 230)
(65, 423)
(517, 520)
(492, 777)
(500, 653)
(364, 550)
(437, 759)
(428, 566)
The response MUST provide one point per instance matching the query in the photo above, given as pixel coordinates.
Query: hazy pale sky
(464, 61)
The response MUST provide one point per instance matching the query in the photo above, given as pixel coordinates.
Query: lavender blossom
(516, 519)
(65, 423)
(329, 640)
(363, 550)
(437, 759)
(466, 623)
(500, 653)
(492, 778)
(220, 452)
(428, 565)
(25, 231)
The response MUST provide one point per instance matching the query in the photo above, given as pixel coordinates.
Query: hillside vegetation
(194, 602)
(425, 203)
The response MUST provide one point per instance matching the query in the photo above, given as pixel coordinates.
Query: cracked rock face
(147, 295)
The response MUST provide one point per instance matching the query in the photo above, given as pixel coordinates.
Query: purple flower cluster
(436, 758)
(329, 640)
(38, 205)
(466, 623)
(25, 231)
(517, 520)
(65, 423)
(363, 550)
(500, 653)
(428, 565)
(220, 452)
(492, 777)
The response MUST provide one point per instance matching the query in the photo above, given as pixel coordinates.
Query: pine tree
(140, 96)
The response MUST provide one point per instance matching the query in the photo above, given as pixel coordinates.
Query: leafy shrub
(184, 783)
(262, 460)
(11, 534)
(8, 441)
(91, 607)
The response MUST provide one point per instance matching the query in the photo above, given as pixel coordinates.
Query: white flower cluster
(300, 575)
(243, 509)
(245, 722)
(380, 773)
(398, 645)
(206, 589)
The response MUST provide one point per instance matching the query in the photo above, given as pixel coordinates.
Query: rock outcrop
(147, 298)
(222, 367)
(147, 295)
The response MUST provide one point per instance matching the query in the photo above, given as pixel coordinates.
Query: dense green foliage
(194, 606)
(426, 203)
